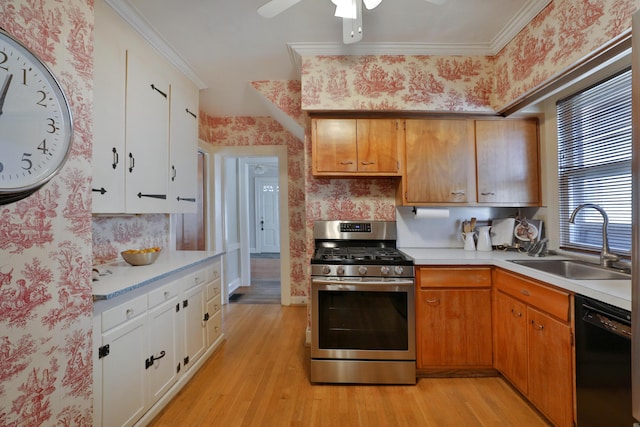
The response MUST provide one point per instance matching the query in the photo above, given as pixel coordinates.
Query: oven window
(361, 320)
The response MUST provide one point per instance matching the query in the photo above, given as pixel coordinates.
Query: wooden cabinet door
(163, 346)
(334, 145)
(195, 339)
(377, 145)
(510, 340)
(183, 147)
(109, 77)
(440, 161)
(147, 134)
(507, 162)
(124, 381)
(550, 367)
(454, 328)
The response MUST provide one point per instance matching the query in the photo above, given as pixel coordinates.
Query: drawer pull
(167, 294)
(433, 301)
(129, 312)
(347, 162)
(525, 292)
(516, 313)
(367, 163)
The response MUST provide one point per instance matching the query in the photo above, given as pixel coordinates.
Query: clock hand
(5, 89)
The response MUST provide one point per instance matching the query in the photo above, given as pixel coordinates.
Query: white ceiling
(224, 44)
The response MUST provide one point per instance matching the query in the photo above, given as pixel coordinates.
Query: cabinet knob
(129, 312)
(167, 294)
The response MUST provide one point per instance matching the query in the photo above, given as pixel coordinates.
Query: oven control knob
(340, 270)
(398, 269)
(326, 269)
(384, 270)
(362, 270)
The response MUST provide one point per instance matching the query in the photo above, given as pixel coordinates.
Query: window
(594, 164)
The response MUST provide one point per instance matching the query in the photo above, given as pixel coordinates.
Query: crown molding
(131, 15)
(529, 11)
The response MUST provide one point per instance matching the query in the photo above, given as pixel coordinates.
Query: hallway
(265, 282)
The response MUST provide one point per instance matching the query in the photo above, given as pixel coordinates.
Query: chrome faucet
(606, 257)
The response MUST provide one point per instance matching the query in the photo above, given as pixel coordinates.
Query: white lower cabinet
(149, 343)
(123, 351)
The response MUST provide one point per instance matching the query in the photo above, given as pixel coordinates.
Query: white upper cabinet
(183, 146)
(144, 152)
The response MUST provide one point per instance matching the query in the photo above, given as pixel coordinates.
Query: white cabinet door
(214, 322)
(124, 386)
(109, 77)
(147, 133)
(162, 370)
(183, 147)
(193, 307)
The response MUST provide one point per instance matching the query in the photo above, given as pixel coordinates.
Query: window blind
(594, 164)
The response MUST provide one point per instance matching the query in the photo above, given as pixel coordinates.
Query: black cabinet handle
(158, 90)
(100, 190)
(132, 162)
(189, 112)
(186, 199)
(153, 196)
(149, 362)
(173, 173)
(116, 158)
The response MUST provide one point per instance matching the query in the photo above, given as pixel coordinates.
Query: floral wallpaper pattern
(561, 35)
(396, 83)
(45, 242)
(248, 131)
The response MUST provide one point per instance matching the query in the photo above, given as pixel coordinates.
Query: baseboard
(298, 300)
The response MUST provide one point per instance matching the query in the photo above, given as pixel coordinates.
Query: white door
(268, 214)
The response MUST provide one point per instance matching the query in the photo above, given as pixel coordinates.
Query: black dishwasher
(603, 364)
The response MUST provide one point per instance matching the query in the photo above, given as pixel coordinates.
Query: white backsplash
(442, 232)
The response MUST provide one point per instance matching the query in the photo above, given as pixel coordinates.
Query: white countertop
(615, 292)
(118, 277)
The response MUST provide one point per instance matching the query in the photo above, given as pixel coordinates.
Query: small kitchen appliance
(362, 305)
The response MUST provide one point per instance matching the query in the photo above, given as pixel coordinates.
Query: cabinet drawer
(195, 279)
(165, 293)
(120, 314)
(213, 271)
(452, 277)
(213, 290)
(214, 328)
(553, 301)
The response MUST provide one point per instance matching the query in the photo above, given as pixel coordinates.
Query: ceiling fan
(349, 10)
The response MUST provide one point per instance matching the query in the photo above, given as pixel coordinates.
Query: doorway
(244, 168)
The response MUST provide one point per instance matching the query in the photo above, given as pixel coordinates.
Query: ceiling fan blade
(274, 7)
(438, 2)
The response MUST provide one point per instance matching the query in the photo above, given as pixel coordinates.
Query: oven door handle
(382, 284)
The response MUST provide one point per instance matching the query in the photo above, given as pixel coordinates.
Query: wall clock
(35, 122)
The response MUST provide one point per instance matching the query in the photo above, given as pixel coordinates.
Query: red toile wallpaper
(45, 242)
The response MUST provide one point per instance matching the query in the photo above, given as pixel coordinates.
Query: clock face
(35, 122)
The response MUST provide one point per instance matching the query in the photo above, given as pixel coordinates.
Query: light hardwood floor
(259, 377)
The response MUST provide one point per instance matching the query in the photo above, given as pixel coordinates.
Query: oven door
(363, 320)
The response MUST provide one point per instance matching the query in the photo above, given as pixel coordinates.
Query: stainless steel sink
(572, 269)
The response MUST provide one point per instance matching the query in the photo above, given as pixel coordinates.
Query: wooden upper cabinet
(507, 162)
(439, 163)
(369, 147)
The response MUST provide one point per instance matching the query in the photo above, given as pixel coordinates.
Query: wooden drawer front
(197, 278)
(122, 313)
(452, 277)
(214, 328)
(165, 293)
(213, 271)
(553, 301)
(213, 290)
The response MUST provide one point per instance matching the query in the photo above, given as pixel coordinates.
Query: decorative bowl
(141, 256)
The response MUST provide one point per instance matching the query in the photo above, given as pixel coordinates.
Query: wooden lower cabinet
(533, 343)
(453, 312)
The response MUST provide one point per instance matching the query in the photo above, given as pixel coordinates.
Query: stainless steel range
(363, 311)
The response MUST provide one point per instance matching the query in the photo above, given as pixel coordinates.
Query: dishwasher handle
(606, 321)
